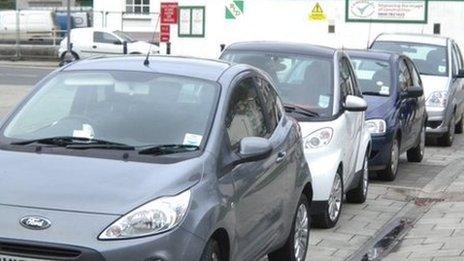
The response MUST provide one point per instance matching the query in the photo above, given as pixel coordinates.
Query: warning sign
(234, 9)
(317, 14)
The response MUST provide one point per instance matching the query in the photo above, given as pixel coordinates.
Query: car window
(457, 63)
(303, 80)
(102, 37)
(416, 80)
(404, 78)
(271, 102)
(374, 76)
(347, 82)
(429, 59)
(459, 54)
(245, 115)
(133, 108)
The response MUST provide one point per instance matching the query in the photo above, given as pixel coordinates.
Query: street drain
(390, 240)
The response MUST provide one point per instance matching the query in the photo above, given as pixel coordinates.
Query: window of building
(138, 6)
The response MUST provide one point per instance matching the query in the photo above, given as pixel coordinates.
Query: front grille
(434, 124)
(38, 252)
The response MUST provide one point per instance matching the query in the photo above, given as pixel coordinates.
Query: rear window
(374, 76)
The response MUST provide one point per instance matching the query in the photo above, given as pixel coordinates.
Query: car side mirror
(355, 103)
(414, 92)
(254, 149)
(460, 73)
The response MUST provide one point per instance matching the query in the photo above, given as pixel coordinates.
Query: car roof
(92, 29)
(183, 66)
(284, 47)
(373, 54)
(413, 38)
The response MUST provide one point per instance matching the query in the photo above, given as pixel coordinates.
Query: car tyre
(333, 208)
(212, 252)
(389, 173)
(63, 59)
(459, 129)
(359, 194)
(416, 154)
(448, 138)
(296, 246)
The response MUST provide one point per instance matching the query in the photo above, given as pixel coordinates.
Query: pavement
(419, 216)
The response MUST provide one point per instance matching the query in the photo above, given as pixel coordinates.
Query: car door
(106, 44)
(406, 105)
(415, 103)
(353, 120)
(457, 81)
(258, 195)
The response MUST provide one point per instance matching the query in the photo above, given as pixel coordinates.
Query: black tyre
(359, 194)
(459, 129)
(448, 138)
(390, 171)
(212, 252)
(333, 208)
(416, 154)
(296, 247)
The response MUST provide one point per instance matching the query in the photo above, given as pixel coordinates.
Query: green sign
(234, 9)
(386, 11)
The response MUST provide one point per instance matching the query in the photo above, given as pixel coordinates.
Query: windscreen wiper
(300, 110)
(168, 149)
(76, 143)
(374, 93)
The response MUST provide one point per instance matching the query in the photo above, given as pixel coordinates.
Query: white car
(441, 66)
(320, 90)
(88, 42)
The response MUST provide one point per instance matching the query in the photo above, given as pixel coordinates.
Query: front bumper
(77, 233)
(380, 153)
(437, 122)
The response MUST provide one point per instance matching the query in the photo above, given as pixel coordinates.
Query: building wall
(287, 20)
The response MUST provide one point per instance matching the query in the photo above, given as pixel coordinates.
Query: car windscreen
(124, 36)
(429, 59)
(374, 76)
(132, 108)
(306, 81)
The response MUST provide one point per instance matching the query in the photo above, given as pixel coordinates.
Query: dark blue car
(396, 114)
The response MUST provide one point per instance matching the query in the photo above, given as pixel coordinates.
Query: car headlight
(376, 126)
(437, 99)
(157, 216)
(318, 138)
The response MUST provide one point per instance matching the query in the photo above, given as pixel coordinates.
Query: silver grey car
(177, 159)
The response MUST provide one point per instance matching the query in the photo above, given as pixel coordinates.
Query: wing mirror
(253, 149)
(414, 92)
(355, 103)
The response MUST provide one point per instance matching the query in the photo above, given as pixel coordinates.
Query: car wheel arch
(222, 237)
(308, 191)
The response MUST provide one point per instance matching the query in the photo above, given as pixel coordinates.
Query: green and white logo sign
(234, 8)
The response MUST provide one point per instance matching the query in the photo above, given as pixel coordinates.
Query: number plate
(17, 258)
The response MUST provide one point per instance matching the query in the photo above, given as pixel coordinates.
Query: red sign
(169, 13)
(165, 34)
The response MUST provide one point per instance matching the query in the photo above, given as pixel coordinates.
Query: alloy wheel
(365, 177)
(394, 156)
(335, 199)
(301, 236)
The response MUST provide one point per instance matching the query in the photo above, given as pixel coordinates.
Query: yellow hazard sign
(317, 14)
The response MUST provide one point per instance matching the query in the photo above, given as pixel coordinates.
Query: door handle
(94, 47)
(281, 156)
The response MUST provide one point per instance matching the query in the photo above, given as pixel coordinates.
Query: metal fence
(28, 41)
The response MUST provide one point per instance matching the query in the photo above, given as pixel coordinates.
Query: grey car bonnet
(90, 185)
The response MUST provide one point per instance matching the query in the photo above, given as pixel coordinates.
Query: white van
(34, 25)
